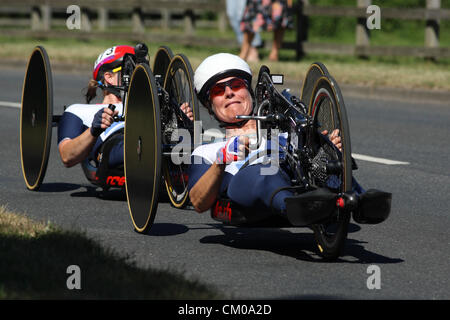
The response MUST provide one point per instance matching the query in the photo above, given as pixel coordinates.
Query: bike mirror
(277, 78)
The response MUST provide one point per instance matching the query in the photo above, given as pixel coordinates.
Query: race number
(106, 54)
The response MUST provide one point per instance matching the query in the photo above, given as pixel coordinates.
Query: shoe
(374, 206)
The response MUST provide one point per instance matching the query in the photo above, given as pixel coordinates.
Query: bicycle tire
(162, 60)
(142, 148)
(328, 111)
(178, 82)
(315, 71)
(36, 116)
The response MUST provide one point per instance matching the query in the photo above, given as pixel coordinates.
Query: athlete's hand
(103, 119)
(335, 138)
(187, 110)
(236, 148)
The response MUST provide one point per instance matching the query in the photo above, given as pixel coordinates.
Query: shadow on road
(58, 187)
(301, 246)
(167, 229)
(94, 192)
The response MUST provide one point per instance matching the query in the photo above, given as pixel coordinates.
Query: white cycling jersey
(78, 117)
(208, 152)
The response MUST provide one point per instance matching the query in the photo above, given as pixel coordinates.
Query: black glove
(96, 127)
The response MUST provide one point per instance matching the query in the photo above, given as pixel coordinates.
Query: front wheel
(328, 112)
(142, 148)
(177, 128)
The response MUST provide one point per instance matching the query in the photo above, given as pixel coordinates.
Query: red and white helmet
(110, 59)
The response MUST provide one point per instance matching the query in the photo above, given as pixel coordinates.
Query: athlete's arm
(204, 193)
(74, 151)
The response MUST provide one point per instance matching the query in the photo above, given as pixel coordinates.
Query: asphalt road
(410, 248)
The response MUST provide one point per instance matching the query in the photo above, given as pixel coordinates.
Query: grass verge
(394, 72)
(34, 258)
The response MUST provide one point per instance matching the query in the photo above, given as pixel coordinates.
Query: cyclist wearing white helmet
(220, 67)
(223, 85)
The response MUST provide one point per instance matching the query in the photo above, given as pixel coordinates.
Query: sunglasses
(218, 89)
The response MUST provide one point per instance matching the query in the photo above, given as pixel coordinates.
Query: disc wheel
(161, 62)
(328, 111)
(36, 118)
(142, 148)
(315, 71)
(178, 83)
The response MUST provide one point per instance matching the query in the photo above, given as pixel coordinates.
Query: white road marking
(378, 160)
(10, 104)
(216, 134)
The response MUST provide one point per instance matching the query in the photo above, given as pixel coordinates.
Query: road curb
(348, 90)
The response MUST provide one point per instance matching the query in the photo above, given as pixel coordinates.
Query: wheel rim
(179, 85)
(315, 71)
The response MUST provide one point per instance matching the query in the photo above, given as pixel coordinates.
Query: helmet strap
(111, 89)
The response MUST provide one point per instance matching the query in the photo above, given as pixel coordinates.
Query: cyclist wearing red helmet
(84, 128)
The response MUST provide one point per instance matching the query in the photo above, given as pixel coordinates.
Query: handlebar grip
(116, 118)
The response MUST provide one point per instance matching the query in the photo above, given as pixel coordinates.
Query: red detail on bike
(340, 203)
(317, 101)
(221, 212)
(115, 181)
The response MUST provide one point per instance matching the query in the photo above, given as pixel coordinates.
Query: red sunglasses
(218, 89)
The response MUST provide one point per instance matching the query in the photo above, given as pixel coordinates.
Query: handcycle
(310, 158)
(320, 173)
(167, 86)
(153, 120)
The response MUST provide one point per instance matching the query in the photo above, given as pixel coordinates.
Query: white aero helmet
(217, 67)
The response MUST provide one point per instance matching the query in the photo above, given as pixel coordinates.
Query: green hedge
(393, 31)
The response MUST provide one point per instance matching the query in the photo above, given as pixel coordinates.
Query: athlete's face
(230, 97)
(112, 78)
